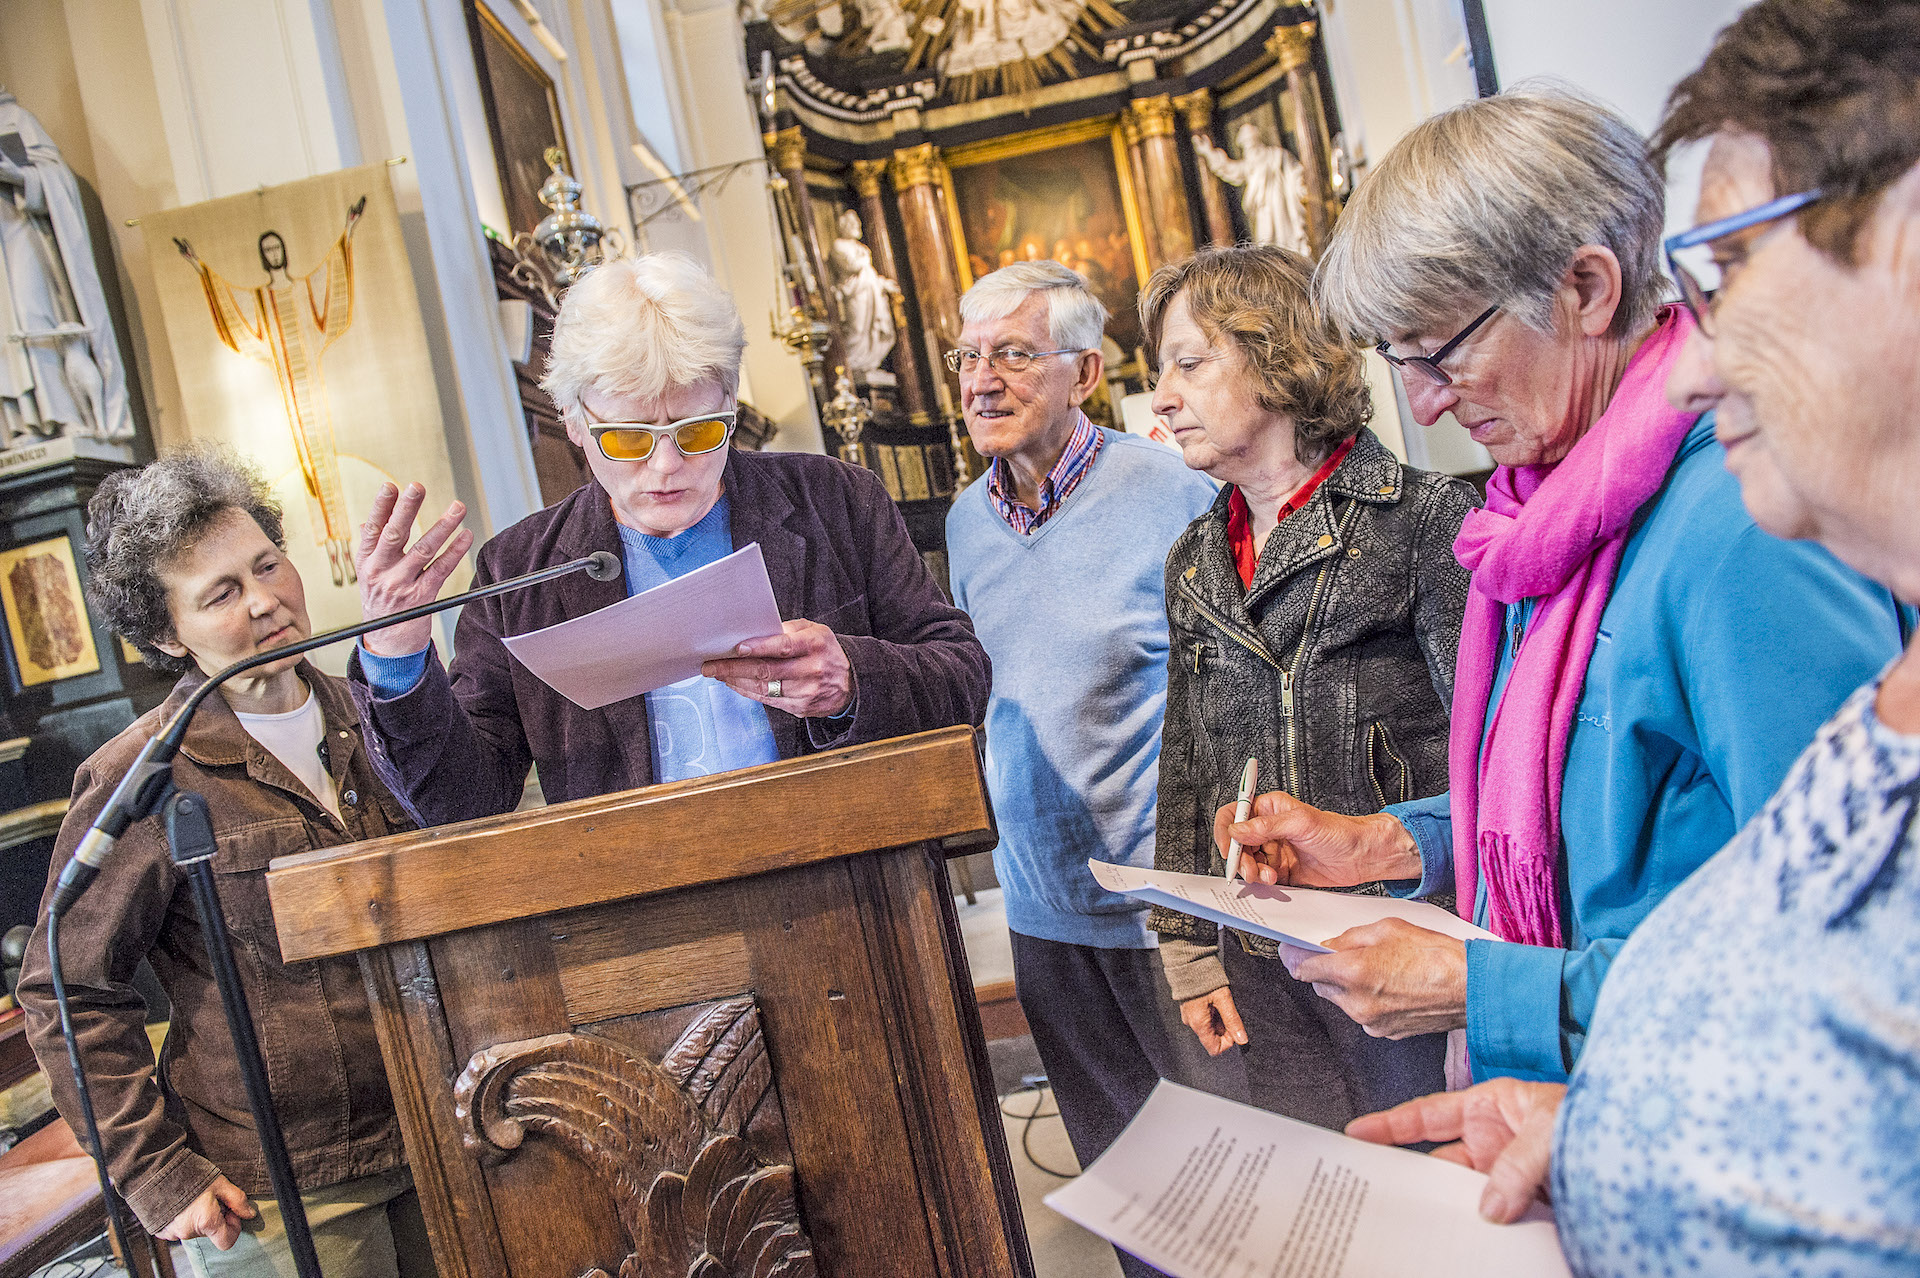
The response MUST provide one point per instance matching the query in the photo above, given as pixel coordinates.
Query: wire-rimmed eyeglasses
(1429, 365)
(1690, 258)
(1008, 359)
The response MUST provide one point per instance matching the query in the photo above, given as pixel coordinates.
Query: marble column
(787, 150)
(1196, 110)
(873, 221)
(930, 251)
(1292, 50)
(1137, 180)
(1166, 187)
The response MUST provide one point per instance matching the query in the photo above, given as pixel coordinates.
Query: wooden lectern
(716, 1029)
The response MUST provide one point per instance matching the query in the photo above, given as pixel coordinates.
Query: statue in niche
(1273, 187)
(60, 369)
(287, 324)
(866, 300)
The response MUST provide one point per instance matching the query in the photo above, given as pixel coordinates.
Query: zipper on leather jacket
(1289, 677)
(1227, 628)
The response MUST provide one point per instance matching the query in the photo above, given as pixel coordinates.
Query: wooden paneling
(914, 789)
(619, 963)
(800, 890)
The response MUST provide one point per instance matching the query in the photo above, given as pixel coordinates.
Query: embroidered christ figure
(288, 324)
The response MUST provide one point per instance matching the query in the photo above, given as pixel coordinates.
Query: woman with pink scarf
(1639, 664)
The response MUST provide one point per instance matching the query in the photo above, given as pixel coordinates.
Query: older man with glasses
(645, 370)
(1058, 554)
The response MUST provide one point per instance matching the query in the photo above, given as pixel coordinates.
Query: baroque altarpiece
(914, 145)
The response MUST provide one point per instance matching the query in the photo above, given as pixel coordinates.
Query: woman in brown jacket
(186, 559)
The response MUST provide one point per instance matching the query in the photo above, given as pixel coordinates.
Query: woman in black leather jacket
(1313, 614)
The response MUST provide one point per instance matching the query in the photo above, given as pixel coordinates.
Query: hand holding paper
(801, 669)
(1396, 967)
(657, 637)
(1303, 917)
(1201, 1187)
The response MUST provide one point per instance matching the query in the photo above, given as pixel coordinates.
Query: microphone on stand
(191, 843)
(143, 789)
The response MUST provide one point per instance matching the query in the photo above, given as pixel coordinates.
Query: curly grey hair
(142, 519)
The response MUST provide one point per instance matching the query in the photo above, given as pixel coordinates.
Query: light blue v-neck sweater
(1074, 616)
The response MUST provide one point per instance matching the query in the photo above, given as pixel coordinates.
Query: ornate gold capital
(1196, 109)
(788, 148)
(914, 166)
(866, 177)
(1153, 116)
(1292, 47)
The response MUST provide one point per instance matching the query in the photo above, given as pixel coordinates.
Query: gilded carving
(788, 148)
(914, 166)
(1196, 109)
(665, 1139)
(1292, 47)
(866, 177)
(1152, 117)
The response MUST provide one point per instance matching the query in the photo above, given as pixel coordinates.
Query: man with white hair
(1058, 554)
(645, 370)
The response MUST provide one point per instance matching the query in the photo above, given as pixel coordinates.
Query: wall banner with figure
(296, 336)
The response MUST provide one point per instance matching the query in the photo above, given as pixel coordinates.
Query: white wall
(1628, 53)
(694, 51)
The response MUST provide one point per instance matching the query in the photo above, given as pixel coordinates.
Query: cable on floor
(1038, 1086)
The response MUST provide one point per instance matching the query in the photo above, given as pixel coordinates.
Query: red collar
(1240, 517)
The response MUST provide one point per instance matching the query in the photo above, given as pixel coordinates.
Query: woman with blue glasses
(1749, 1100)
(1638, 665)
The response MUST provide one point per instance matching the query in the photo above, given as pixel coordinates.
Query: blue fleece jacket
(1721, 650)
(1074, 616)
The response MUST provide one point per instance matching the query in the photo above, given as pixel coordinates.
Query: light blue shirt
(1749, 1102)
(698, 726)
(1720, 652)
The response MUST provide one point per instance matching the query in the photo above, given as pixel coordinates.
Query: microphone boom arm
(143, 789)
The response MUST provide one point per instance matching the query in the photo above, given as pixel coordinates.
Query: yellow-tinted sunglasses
(631, 441)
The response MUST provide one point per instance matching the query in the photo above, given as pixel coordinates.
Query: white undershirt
(294, 739)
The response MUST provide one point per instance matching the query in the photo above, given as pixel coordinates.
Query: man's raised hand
(395, 576)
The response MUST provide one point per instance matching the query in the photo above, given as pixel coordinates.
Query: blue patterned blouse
(1749, 1099)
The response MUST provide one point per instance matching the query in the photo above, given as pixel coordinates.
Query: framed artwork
(47, 618)
(523, 116)
(1064, 193)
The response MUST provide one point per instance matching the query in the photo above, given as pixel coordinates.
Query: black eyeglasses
(1430, 364)
(1690, 257)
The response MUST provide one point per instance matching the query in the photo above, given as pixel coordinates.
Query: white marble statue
(60, 370)
(1273, 187)
(866, 303)
(886, 24)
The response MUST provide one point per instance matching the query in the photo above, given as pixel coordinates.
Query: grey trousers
(1306, 1059)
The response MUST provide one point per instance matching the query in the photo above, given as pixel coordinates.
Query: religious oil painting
(523, 116)
(295, 332)
(1064, 194)
(46, 613)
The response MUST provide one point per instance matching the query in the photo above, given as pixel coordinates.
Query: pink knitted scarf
(1553, 534)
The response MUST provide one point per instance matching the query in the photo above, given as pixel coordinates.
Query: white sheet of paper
(1207, 1188)
(1298, 916)
(657, 637)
